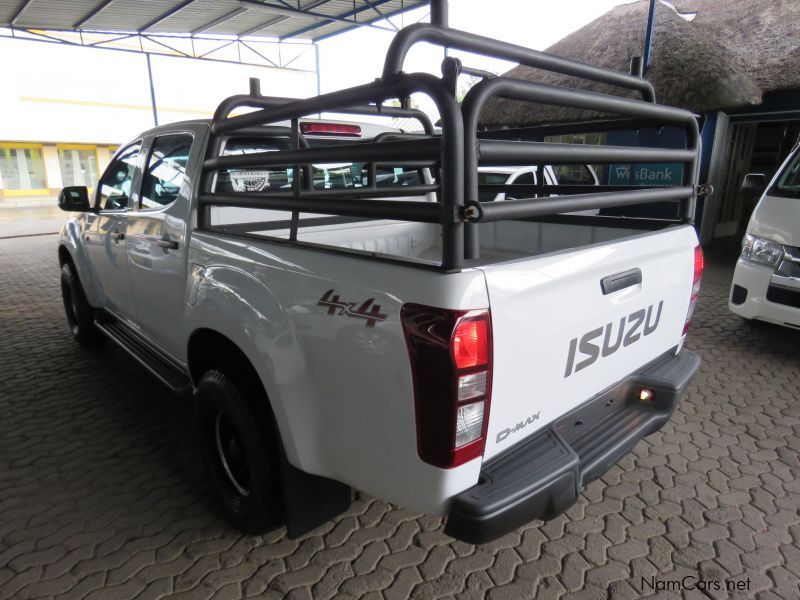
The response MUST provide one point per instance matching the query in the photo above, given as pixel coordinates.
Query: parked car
(554, 175)
(346, 313)
(766, 282)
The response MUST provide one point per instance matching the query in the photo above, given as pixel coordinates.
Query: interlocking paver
(101, 494)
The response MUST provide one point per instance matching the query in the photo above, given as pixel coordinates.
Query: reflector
(469, 423)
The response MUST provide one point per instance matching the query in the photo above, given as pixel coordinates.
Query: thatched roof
(762, 35)
(729, 55)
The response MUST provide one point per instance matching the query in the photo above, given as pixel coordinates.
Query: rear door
(558, 339)
(157, 235)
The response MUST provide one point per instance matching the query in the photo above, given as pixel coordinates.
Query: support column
(439, 13)
(316, 68)
(648, 39)
(152, 90)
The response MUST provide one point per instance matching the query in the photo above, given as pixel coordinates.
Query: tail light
(451, 365)
(698, 275)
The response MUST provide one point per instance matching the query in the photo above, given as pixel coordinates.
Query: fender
(240, 307)
(71, 239)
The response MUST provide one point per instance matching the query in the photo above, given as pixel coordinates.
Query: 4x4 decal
(369, 311)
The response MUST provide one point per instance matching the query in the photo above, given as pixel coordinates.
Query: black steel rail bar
(240, 100)
(470, 42)
(497, 152)
(547, 94)
(537, 131)
(511, 188)
(393, 152)
(355, 99)
(451, 149)
(403, 210)
(482, 212)
(361, 192)
(273, 131)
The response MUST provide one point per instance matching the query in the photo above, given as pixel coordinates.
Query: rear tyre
(240, 451)
(80, 314)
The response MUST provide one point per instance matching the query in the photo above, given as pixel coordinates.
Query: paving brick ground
(101, 495)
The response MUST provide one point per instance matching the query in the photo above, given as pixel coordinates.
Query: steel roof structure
(265, 33)
(311, 20)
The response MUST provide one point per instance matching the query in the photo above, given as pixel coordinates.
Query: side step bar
(164, 368)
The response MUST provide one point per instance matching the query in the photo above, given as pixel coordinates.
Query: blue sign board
(650, 174)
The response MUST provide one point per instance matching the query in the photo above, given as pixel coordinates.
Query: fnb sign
(649, 174)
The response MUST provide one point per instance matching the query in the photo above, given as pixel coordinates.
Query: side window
(165, 171)
(573, 174)
(115, 185)
(524, 179)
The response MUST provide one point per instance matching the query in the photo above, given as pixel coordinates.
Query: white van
(766, 283)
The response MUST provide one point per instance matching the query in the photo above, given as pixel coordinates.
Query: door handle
(169, 244)
(620, 281)
(117, 235)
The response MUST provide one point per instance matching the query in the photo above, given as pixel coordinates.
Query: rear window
(789, 181)
(338, 176)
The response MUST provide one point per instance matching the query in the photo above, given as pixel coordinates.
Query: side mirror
(754, 184)
(74, 198)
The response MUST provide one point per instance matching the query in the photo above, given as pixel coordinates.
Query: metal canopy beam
(343, 17)
(261, 26)
(97, 9)
(167, 14)
(219, 20)
(235, 18)
(386, 17)
(20, 10)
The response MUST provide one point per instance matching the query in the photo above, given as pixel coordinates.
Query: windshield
(789, 181)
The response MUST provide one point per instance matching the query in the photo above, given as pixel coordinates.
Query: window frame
(45, 191)
(79, 147)
(135, 178)
(776, 189)
(150, 146)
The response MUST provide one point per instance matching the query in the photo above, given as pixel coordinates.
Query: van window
(789, 181)
(573, 175)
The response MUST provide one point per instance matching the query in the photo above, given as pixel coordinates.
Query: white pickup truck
(346, 312)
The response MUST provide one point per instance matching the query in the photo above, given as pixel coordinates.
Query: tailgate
(558, 339)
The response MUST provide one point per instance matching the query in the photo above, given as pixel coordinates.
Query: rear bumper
(542, 477)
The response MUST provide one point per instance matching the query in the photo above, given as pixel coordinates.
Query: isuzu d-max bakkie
(349, 306)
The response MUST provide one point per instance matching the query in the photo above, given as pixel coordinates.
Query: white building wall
(62, 93)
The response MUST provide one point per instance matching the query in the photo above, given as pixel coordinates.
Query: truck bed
(500, 241)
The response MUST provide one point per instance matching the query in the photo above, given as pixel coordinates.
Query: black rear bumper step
(542, 477)
(166, 370)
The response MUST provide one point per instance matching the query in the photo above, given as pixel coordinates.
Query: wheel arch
(309, 500)
(64, 255)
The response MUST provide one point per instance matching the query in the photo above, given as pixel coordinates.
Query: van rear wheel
(240, 451)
